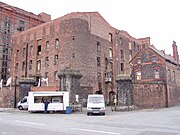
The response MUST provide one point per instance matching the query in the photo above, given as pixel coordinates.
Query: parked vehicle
(23, 104)
(95, 104)
(58, 101)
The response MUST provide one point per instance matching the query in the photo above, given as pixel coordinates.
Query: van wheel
(20, 108)
(88, 114)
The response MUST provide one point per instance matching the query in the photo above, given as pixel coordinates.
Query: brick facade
(149, 95)
(83, 41)
(7, 97)
(156, 79)
(14, 20)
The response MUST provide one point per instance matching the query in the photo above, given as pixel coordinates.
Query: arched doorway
(111, 97)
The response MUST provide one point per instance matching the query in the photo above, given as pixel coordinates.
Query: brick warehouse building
(14, 20)
(156, 80)
(83, 41)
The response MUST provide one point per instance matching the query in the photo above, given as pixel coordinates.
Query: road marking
(96, 131)
(27, 122)
(4, 132)
(4, 113)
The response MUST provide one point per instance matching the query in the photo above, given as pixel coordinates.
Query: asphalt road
(164, 121)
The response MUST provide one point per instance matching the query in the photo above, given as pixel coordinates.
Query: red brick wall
(49, 88)
(147, 95)
(174, 95)
(7, 97)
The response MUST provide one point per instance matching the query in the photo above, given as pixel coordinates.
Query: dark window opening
(39, 50)
(57, 43)
(30, 64)
(110, 37)
(98, 46)
(23, 65)
(47, 46)
(122, 67)
(47, 61)
(106, 63)
(98, 61)
(55, 59)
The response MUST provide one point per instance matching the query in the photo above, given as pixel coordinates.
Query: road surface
(164, 121)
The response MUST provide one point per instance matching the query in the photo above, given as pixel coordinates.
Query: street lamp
(15, 85)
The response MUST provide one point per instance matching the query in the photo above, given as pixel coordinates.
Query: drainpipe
(166, 87)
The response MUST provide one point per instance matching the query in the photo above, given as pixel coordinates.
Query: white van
(23, 104)
(95, 104)
(58, 100)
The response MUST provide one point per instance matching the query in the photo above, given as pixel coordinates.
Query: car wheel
(20, 108)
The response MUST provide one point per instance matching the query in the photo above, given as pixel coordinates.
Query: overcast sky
(157, 19)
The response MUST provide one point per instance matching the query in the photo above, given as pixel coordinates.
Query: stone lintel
(123, 77)
(69, 71)
(27, 81)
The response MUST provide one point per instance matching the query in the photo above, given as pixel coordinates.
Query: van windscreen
(96, 99)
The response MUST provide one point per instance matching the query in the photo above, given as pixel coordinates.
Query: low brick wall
(174, 95)
(45, 88)
(7, 97)
(149, 95)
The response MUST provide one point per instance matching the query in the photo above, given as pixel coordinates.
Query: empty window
(122, 66)
(55, 75)
(55, 59)
(39, 65)
(16, 67)
(57, 43)
(110, 37)
(98, 61)
(24, 52)
(174, 76)
(39, 50)
(156, 74)
(98, 47)
(122, 54)
(47, 46)
(138, 75)
(30, 64)
(110, 53)
(169, 75)
(17, 53)
(23, 65)
(7, 22)
(98, 76)
(31, 50)
(106, 63)
(47, 61)
(130, 46)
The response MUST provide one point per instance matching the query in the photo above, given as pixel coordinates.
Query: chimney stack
(175, 52)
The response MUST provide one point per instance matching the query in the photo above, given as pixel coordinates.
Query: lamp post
(15, 85)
